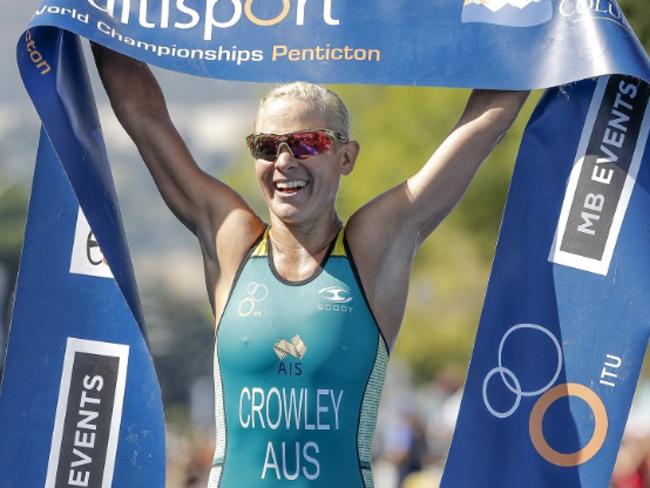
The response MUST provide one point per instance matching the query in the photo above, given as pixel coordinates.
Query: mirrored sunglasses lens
(306, 144)
(265, 147)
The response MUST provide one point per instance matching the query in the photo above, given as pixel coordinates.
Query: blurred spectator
(632, 468)
(424, 479)
(406, 454)
(198, 465)
(407, 445)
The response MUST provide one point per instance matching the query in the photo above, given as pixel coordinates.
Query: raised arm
(385, 234)
(436, 189)
(200, 201)
(420, 203)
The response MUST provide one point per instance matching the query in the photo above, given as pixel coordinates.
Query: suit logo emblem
(336, 294)
(255, 293)
(510, 13)
(295, 348)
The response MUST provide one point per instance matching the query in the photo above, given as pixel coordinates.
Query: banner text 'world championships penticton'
(220, 53)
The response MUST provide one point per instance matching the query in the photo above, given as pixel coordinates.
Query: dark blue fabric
(54, 304)
(429, 42)
(590, 316)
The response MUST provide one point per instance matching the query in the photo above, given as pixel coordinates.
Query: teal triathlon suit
(299, 368)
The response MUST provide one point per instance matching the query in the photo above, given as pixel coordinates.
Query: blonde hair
(328, 103)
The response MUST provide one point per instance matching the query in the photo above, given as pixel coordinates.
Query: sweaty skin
(383, 235)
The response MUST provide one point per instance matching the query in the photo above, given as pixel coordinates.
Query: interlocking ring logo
(549, 395)
(509, 378)
(256, 292)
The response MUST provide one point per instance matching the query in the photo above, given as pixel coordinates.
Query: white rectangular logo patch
(603, 176)
(88, 415)
(87, 257)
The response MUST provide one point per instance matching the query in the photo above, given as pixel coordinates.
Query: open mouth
(289, 187)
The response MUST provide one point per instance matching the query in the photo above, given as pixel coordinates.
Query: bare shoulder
(227, 243)
(380, 230)
(224, 248)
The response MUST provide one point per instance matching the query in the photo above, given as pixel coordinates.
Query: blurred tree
(639, 16)
(13, 212)
(181, 338)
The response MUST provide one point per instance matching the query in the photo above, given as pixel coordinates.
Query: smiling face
(300, 191)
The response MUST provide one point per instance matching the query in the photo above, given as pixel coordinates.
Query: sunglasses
(301, 144)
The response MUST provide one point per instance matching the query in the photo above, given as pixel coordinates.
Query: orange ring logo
(600, 428)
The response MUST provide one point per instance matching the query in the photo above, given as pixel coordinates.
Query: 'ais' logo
(511, 13)
(295, 348)
(87, 257)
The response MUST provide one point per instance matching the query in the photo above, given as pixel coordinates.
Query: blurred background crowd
(398, 128)
(414, 430)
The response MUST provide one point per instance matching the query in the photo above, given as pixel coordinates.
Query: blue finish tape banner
(80, 402)
(510, 44)
(565, 323)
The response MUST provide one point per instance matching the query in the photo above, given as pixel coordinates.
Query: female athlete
(307, 307)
